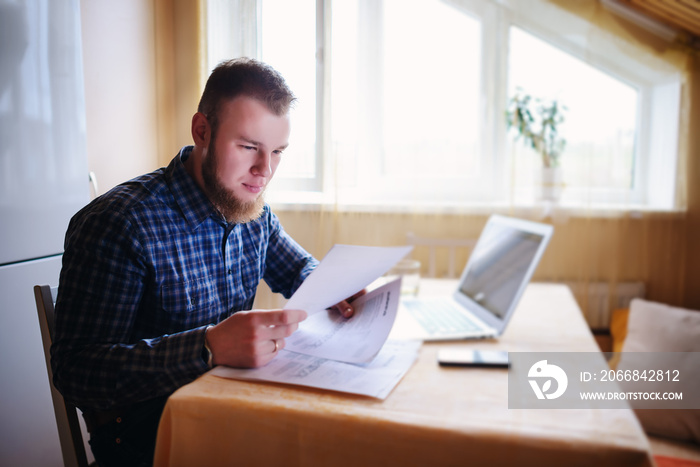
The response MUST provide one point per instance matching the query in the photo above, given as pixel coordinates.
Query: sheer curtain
(428, 151)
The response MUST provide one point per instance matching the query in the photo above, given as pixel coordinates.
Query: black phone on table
(473, 358)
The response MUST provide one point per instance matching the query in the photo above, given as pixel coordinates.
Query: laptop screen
(499, 265)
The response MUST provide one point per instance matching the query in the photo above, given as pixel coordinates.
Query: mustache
(224, 199)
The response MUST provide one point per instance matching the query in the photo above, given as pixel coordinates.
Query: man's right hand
(250, 339)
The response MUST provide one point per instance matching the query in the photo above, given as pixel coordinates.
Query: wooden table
(435, 416)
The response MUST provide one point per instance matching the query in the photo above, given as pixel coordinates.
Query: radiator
(598, 300)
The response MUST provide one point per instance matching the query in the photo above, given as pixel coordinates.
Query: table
(435, 416)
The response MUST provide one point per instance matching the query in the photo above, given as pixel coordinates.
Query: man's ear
(201, 130)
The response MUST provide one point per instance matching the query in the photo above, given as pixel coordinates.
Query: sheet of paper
(344, 271)
(354, 340)
(376, 379)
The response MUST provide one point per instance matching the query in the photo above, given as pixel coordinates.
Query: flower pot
(551, 184)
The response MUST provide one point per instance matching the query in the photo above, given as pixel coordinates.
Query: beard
(225, 200)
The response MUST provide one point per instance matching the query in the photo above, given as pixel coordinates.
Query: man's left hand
(345, 307)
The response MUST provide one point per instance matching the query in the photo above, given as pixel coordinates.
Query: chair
(69, 432)
(433, 244)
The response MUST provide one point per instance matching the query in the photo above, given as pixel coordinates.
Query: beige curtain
(180, 63)
(656, 248)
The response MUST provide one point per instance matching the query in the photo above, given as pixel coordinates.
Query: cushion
(655, 327)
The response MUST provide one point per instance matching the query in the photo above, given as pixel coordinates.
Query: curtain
(180, 68)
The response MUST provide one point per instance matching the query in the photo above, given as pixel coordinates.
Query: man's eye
(278, 152)
(250, 148)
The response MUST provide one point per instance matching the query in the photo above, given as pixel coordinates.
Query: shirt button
(230, 271)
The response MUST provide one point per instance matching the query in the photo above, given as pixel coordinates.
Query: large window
(402, 102)
(600, 157)
(406, 103)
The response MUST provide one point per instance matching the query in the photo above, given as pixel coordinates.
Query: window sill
(315, 201)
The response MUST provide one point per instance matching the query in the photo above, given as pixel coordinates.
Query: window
(403, 102)
(600, 127)
(290, 47)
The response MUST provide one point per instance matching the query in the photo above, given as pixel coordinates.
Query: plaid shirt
(146, 268)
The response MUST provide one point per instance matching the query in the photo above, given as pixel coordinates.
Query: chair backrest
(69, 432)
(435, 244)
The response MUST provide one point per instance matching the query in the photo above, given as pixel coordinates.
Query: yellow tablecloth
(436, 416)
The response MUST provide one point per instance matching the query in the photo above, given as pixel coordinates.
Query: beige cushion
(654, 327)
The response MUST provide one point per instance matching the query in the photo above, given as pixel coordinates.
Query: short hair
(244, 77)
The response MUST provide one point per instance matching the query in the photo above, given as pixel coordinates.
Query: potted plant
(536, 122)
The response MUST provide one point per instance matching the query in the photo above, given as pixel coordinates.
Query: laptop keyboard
(438, 317)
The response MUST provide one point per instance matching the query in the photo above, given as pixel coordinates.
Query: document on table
(355, 340)
(332, 352)
(376, 379)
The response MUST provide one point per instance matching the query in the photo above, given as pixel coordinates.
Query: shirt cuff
(206, 351)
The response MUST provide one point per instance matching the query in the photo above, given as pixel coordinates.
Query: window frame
(658, 92)
(658, 194)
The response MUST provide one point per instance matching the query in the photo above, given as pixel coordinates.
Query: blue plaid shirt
(146, 268)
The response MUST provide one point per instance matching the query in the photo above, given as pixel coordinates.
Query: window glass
(414, 95)
(600, 115)
(431, 83)
(405, 95)
(289, 45)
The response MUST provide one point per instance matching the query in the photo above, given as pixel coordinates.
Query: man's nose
(263, 164)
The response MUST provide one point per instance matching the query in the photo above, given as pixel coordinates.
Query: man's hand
(345, 307)
(249, 339)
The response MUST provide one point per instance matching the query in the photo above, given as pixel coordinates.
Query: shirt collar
(193, 203)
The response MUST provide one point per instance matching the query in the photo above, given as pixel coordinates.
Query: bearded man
(159, 274)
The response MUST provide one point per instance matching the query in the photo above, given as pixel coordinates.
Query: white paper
(344, 271)
(354, 340)
(312, 355)
(376, 379)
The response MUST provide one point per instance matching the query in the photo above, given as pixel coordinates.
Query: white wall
(120, 88)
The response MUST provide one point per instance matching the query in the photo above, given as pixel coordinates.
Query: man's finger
(279, 331)
(278, 317)
(345, 309)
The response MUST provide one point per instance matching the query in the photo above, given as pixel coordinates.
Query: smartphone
(473, 358)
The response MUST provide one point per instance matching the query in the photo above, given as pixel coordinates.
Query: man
(159, 272)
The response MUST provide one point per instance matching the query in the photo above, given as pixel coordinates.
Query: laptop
(499, 268)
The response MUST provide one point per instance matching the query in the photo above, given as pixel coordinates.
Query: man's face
(243, 156)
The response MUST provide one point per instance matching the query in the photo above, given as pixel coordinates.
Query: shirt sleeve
(287, 264)
(97, 361)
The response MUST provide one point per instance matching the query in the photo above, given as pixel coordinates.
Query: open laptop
(499, 268)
